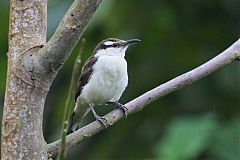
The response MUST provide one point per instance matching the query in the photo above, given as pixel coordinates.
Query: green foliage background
(198, 122)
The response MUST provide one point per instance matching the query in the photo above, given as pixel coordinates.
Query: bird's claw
(102, 121)
(122, 108)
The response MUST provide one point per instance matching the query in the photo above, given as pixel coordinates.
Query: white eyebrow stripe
(108, 43)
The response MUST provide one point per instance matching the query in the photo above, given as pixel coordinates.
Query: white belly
(108, 82)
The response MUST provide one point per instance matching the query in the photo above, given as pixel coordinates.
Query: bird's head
(113, 47)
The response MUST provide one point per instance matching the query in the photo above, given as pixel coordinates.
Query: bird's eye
(114, 45)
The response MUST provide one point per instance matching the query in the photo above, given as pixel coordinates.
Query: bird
(103, 79)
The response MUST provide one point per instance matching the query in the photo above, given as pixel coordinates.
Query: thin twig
(69, 102)
(228, 56)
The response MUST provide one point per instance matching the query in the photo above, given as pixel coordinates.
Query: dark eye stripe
(114, 45)
(101, 45)
(108, 46)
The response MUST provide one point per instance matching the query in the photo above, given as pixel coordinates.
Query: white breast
(109, 80)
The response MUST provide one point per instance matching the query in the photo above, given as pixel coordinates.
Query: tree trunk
(22, 136)
(32, 66)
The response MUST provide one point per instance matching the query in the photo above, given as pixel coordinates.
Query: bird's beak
(131, 41)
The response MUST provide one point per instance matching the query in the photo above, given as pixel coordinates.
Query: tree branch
(69, 31)
(226, 57)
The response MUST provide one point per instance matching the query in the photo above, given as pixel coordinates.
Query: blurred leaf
(226, 145)
(186, 138)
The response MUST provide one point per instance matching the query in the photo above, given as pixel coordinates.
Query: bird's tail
(71, 127)
(77, 116)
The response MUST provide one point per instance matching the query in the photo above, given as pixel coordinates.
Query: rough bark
(22, 136)
(228, 56)
(72, 26)
(32, 66)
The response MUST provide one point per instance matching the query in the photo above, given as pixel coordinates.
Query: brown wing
(85, 75)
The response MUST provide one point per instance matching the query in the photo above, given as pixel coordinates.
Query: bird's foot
(100, 119)
(122, 108)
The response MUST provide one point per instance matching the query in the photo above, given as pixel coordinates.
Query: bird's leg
(121, 107)
(100, 119)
